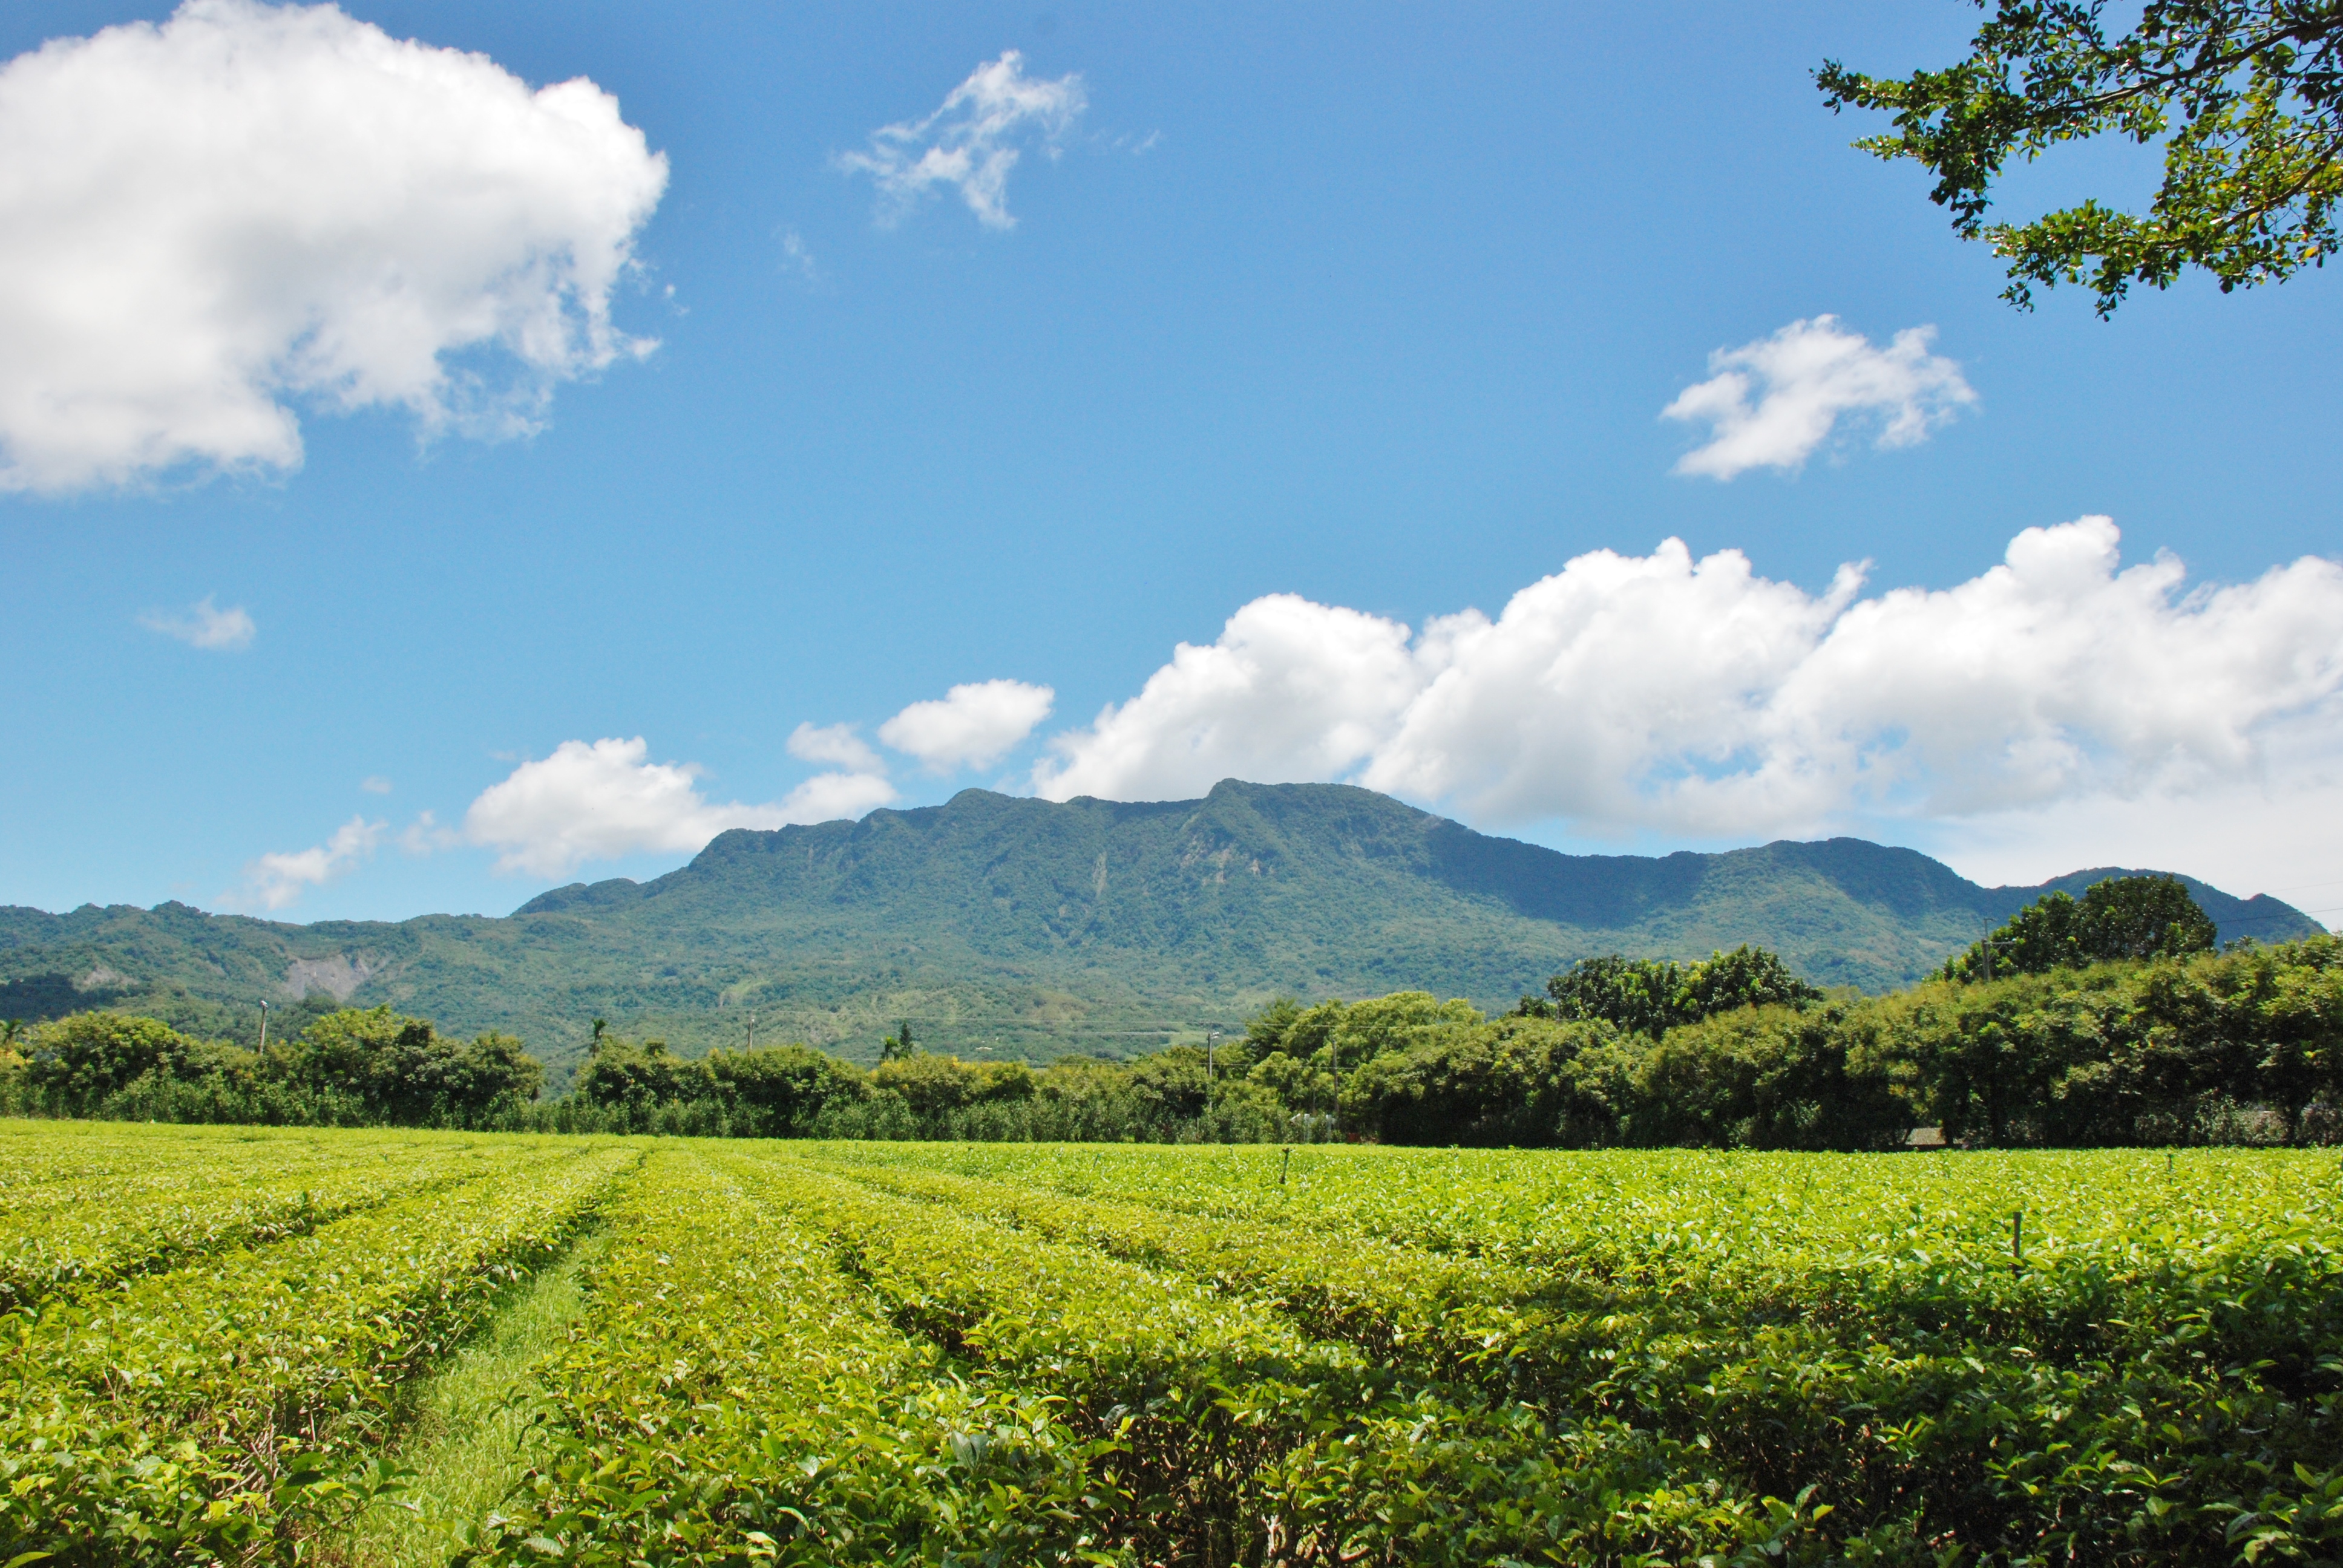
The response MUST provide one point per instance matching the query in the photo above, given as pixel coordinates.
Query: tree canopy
(2121, 918)
(1652, 996)
(2246, 97)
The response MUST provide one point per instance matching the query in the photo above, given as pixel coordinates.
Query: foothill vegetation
(2110, 1020)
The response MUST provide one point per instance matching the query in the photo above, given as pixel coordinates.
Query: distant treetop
(1652, 996)
(2121, 918)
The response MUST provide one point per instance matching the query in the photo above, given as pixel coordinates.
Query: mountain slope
(1025, 927)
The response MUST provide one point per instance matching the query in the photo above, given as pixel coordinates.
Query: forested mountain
(1022, 927)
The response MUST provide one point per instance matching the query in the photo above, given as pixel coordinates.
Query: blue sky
(1375, 306)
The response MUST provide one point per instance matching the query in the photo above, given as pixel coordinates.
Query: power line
(2298, 887)
(2272, 919)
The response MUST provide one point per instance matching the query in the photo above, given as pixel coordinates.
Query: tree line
(2107, 1019)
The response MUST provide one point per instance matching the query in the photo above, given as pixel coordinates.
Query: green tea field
(245, 1345)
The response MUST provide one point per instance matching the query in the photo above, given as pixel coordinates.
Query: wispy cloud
(426, 836)
(972, 142)
(375, 784)
(204, 624)
(797, 257)
(277, 878)
(1769, 404)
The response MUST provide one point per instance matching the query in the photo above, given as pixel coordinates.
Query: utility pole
(1211, 1035)
(752, 1032)
(1989, 944)
(264, 1029)
(1334, 1094)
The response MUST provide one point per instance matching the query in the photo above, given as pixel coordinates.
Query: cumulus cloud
(207, 222)
(2282, 834)
(277, 878)
(837, 744)
(972, 726)
(1695, 697)
(596, 802)
(970, 143)
(601, 801)
(204, 624)
(828, 797)
(1291, 691)
(1804, 379)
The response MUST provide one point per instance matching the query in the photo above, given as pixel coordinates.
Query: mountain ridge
(1024, 927)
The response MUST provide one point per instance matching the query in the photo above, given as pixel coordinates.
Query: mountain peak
(1031, 927)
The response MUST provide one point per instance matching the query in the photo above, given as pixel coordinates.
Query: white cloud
(834, 743)
(970, 726)
(277, 880)
(204, 625)
(970, 143)
(599, 801)
(375, 784)
(828, 797)
(798, 257)
(1805, 377)
(1696, 697)
(207, 222)
(1291, 691)
(426, 836)
(2283, 835)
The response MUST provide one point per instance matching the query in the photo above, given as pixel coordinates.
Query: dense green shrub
(1652, 996)
(404, 1071)
(1515, 1080)
(2164, 1051)
(349, 1068)
(1768, 1078)
(2121, 918)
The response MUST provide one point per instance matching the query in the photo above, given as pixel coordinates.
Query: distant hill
(1023, 927)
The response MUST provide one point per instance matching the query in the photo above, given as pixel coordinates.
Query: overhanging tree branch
(2246, 96)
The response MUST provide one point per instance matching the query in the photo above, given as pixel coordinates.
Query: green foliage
(852, 1354)
(1652, 996)
(1515, 1080)
(92, 1055)
(350, 1065)
(1768, 1078)
(2246, 97)
(781, 1089)
(2121, 918)
(405, 1073)
(623, 1073)
(1621, 1357)
(227, 1409)
(695, 1423)
(2243, 1044)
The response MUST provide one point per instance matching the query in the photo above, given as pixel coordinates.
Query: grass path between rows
(470, 1421)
